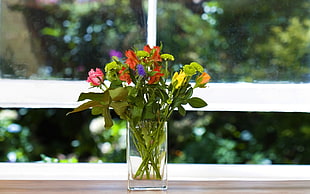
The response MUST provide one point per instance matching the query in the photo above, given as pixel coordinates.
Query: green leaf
(115, 84)
(163, 95)
(97, 110)
(177, 102)
(133, 92)
(189, 93)
(106, 98)
(84, 106)
(149, 111)
(108, 123)
(181, 110)
(196, 102)
(137, 113)
(120, 108)
(91, 96)
(119, 94)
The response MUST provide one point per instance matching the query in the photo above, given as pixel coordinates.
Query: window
(62, 39)
(257, 53)
(234, 41)
(240, 41)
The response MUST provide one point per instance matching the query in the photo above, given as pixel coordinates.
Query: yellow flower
(192, 68)
(142, 54)
(189, 70)
(167, 57)
(111, 66)
(197, 66)
(178, 79)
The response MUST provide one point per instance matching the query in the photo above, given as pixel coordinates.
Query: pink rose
(95, 78)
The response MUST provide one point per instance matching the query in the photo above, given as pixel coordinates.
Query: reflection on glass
(239, 40)
(64, 39)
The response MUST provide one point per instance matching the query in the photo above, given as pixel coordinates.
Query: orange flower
(202, 80)
(124, 75)
(132, 59)
(155, 78)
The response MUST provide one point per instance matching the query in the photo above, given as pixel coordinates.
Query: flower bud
(202, 80)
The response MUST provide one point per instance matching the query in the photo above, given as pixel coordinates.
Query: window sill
(176, 172)
(220, 96)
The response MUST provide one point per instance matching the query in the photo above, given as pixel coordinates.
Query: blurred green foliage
(199, 137)
(75, 37)
(48, 135)
(15, 142)
(241, 40)
(241, 137)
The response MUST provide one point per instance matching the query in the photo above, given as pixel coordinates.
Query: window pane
(65, 38)
(28, 135)
(240, 40)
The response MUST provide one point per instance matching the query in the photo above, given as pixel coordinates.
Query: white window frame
(271, 97)
(252, 97)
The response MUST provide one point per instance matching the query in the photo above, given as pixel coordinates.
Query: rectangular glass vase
(147, 155)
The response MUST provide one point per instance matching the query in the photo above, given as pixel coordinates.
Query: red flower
(124, 75)
(156, 56)
(132, 59)
(147, 48)
(155, 78)
(156, 52)
(95, 78)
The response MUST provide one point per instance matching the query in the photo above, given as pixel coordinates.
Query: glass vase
(147, 155)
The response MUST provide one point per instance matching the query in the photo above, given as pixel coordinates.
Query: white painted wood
(118, 171)
(220, 96)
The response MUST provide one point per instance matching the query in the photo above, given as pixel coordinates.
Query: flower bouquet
(137, 89)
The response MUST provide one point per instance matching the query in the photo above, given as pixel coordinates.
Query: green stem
(149, 151)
